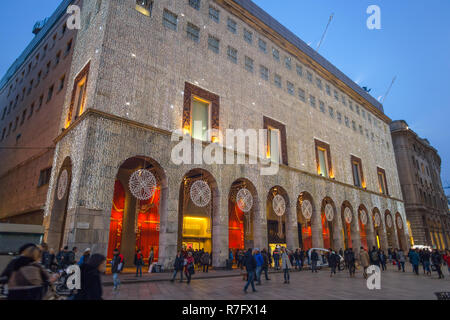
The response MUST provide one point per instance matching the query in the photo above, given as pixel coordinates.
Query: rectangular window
(319, 83)
(262, 45)
(58, 58)
(354, 125)
(312, 101)
(24, 115)
(288, 62)
(193, 32)
(302, 94)
(339, 117)
(328, 90)
(274, 145)
(232, 25)
(232, 54)
(290, 88)
(358, 177)
(248, 64)
(144, 7)
(68, 47)
(248, 36)
(78, 101)
(277, 81)
(299, 70)
(344, 101)
(41, 101)
(195, 4)
(357, 109)
(336, 95)
(31, 111)
(61, 83)
(331, 112)
(323, 159)
(50, 93)
(213, 44)
(350, 105)
(361, 130)
(44, 177)
(264, 73)
(214, 14)
(309, 76)
(276, 54)
(347, 122)
(200, 119)
(322, 106)
(170, 20)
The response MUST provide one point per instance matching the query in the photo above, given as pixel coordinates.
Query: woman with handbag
(189, 268)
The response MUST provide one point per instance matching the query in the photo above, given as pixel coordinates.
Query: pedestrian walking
(446, 258)
(365, 260)
(276, 258)
(414, 258)
(85, 257)
(286, 265)
(350, 261)
(205, 261)
(401, 259)
(436, 260)
(178, 266)
(91, 283)
(151, 256)
(333, 262)
(425, 259)
(138, 262)
(374, 257)
(265, 264)
(117, 264)
(189, 270)
(250, 266)
(314, 259)
(383, 260)
(259, 266)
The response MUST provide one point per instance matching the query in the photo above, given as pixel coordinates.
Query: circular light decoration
(363, 217)
(399, 222)
(279, 205)
(348, 215)
(377, 219)
(329, 212)
(200, 193)
(142, 184)
(307, 209)
(389, 221)
(62, 184)
(244, 200)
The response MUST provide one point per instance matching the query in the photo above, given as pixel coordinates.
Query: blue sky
(413, 44)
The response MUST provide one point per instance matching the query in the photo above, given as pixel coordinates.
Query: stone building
(32, 93)
(419, 168)
(143, 70)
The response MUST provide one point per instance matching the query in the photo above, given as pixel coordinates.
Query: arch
(349, 227)
(277, 225)
(135, 223)
(363, 222)
(304, 223)
(57, 233)
(241, 228)
(195, 223)
(400, 231)
(390, 229)
(330, 227)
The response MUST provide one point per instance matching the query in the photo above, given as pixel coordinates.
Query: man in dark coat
(250, 266)
(265, 267)
(178, 266)
(350, 261)
(333, 261)
(314, 259)
(91, 283)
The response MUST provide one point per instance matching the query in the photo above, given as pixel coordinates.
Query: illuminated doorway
(305, 212)
(363, 220)
(348, 225)
(277, 208)
(377, 227)
(329, 228)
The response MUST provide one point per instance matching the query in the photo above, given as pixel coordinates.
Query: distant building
(426, 204)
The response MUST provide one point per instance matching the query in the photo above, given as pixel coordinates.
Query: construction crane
(325, 32)
(389, 89)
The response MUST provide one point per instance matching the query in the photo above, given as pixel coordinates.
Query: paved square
(304, 286)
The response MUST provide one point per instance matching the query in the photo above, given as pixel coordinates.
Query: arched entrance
(198, 201)
(377, 227)
(242, 210)
(140, 190)
(390, 231)
(363, 220)
(349, 222)
(305, 212)
(277, 209)
(57, 233)
(400, 231)
(329, 224)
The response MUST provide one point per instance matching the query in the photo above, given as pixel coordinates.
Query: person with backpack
(117, 264)
(414, 258)
(139, 262)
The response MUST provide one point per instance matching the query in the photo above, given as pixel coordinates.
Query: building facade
(31, 98)
(143, 70)
(419, 168)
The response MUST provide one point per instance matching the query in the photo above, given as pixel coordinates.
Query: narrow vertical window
(323, 159)
(274, 145)
(358, 177)
(200, 119)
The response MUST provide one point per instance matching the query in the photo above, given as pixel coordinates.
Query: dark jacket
(91, 284)
(116, 262)
(333, 260)
(249, 262)
(138, 259)
(436, 258)
(314, 256)
(179, 263)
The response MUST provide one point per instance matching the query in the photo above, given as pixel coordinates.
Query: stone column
(316, 228)
(260, 225)
(291, 229)
(338, 240)
(220, 229)
(168, 230)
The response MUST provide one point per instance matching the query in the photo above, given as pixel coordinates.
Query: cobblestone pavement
(304, 286)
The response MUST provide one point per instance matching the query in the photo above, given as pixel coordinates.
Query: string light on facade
(399, 222)
(389, 221)
(200, 193)
(62, 184)
(329, 212)
(279, 207)
(142, 184)
(307, 209)
(244, 200)
(363, 217)
(348, 215)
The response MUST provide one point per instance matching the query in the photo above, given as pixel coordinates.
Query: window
(309, 76)
(350, 105)
(276, 141)
(276, 54)
(277, 81)
(323, 159)
(328, 90)
(61, 83)
(24, 115)
(357, 109)
(354, 125)
(170, 20)
(288, 62)
(50, 93)
(290, 88)
(344, 101)
(358, 177)
(347, 122)
(232, 25)
(195, 4)
(213, 44)
(98, 5)
(44, 177)
(339, 117)
(322, 106)
(68, 47)
(78, 101)
(232, 54)
(264, 73)
(4, 112)
(47, 70)
(262, 45)
(361, 130)
(302, 95)
(31, 111)
(331, 112)
(248, 36)
(248, 64)
(58, 58)
(200, 119)
(15, 124)
(382, 183)
(39, 76)
(312, 101)
(299, 70)
(193, 32)
(214, 14)
(142, 6)
(319, 83)
(336, 95)
(41, 100)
